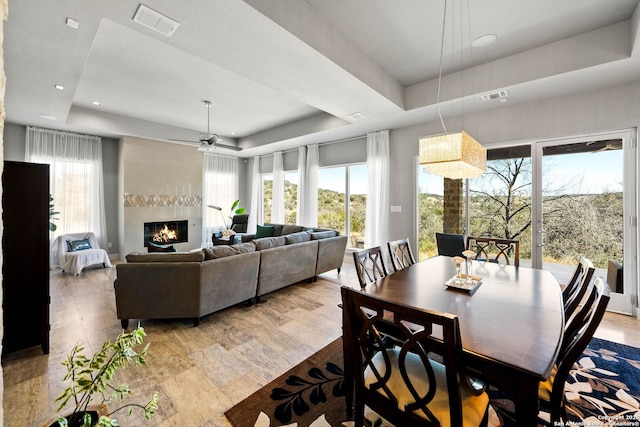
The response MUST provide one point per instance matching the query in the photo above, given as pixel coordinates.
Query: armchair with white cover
(75, 251)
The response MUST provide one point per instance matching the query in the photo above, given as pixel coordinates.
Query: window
(76, 178)
(267, 197)
(290, 197)
(336, 186)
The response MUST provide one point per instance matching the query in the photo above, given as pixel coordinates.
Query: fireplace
(166, 232)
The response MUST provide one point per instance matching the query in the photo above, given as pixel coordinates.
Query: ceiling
(290, 72)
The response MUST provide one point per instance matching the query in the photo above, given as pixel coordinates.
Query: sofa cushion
(264, 231)
(277, 228)
(222, 251)
(290, 229)
(166, 257)
(299, 237)
(317, 235)
(269, 242)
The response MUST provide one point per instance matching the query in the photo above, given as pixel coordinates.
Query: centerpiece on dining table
(464, 281)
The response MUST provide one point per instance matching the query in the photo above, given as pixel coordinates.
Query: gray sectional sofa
(194, 284)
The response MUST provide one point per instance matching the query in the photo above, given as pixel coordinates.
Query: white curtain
(377, 216)
(310, 204)
(277, 199)
(76, 179)
(219, 188)
(255, 212)
(302, 184)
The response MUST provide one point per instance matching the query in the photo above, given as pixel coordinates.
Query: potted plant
(234, 210)
(91, 382)
(52, 213)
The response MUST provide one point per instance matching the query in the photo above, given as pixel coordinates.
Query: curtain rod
(320, 143)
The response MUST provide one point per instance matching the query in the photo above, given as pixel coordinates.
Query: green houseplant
(91, 381)
(52, 213)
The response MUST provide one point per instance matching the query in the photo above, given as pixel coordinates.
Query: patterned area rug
(603, 389)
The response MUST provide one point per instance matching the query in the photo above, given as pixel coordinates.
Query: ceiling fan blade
(229, 147)
(184, 140)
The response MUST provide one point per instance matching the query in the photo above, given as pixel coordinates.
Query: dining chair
(575, 290)
(450, 244)
(369, 265)
(404, 384)
(400, 254)
(577, 335)
(494, 249)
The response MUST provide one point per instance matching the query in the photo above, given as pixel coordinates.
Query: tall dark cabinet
(25, 251)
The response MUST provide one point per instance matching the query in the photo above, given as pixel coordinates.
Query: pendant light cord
(444, 19)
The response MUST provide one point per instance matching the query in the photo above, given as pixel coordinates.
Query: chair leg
(196, 321)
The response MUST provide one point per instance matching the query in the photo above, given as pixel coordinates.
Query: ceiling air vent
(500, 94)
(154, 20)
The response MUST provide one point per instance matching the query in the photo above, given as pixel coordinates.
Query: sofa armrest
(331, 253)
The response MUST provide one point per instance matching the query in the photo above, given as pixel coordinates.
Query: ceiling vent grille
(500, 94)
(154, 20)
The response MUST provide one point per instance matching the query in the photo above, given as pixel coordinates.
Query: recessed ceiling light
(73, 23)
(48, 117)
(484, 40)
(96, 103)
(59, 87)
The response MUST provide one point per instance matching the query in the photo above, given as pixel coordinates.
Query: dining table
(511, 325)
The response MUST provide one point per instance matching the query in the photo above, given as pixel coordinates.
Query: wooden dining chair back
(400, 254)
(450, 244)
(404, 384)
(369, 265)
(577, 335)
(495, 249)
(575, 290)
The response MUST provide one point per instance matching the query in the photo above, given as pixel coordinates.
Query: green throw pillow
(264, 231)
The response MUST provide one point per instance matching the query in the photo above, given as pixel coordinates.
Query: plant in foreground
(91, 379)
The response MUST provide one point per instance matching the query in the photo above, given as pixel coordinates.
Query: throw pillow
(78, 245)
(264, 231)
(277, 228)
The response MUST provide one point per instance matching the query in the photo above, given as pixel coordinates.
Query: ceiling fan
(209, 139)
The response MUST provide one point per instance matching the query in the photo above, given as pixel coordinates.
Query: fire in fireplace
(166, 232)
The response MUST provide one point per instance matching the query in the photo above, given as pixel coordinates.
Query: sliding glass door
(561, 199)
(585, 206)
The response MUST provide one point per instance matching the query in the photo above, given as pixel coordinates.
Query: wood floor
(199, 372)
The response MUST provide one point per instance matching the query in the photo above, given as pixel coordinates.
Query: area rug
(602, 389)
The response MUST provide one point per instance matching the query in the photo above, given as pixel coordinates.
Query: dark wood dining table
(511, 325)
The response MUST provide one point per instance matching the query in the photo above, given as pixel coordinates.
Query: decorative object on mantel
(91, 380)
(451, 155)
(234, 210)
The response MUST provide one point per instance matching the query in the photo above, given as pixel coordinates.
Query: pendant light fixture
(451, 155)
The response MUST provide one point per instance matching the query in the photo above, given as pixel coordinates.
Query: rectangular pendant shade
(453, 155)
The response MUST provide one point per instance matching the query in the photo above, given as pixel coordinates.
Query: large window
(76, 178)
(342, 200)
(290, 197)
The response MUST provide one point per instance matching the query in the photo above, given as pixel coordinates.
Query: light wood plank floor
(199, 372)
